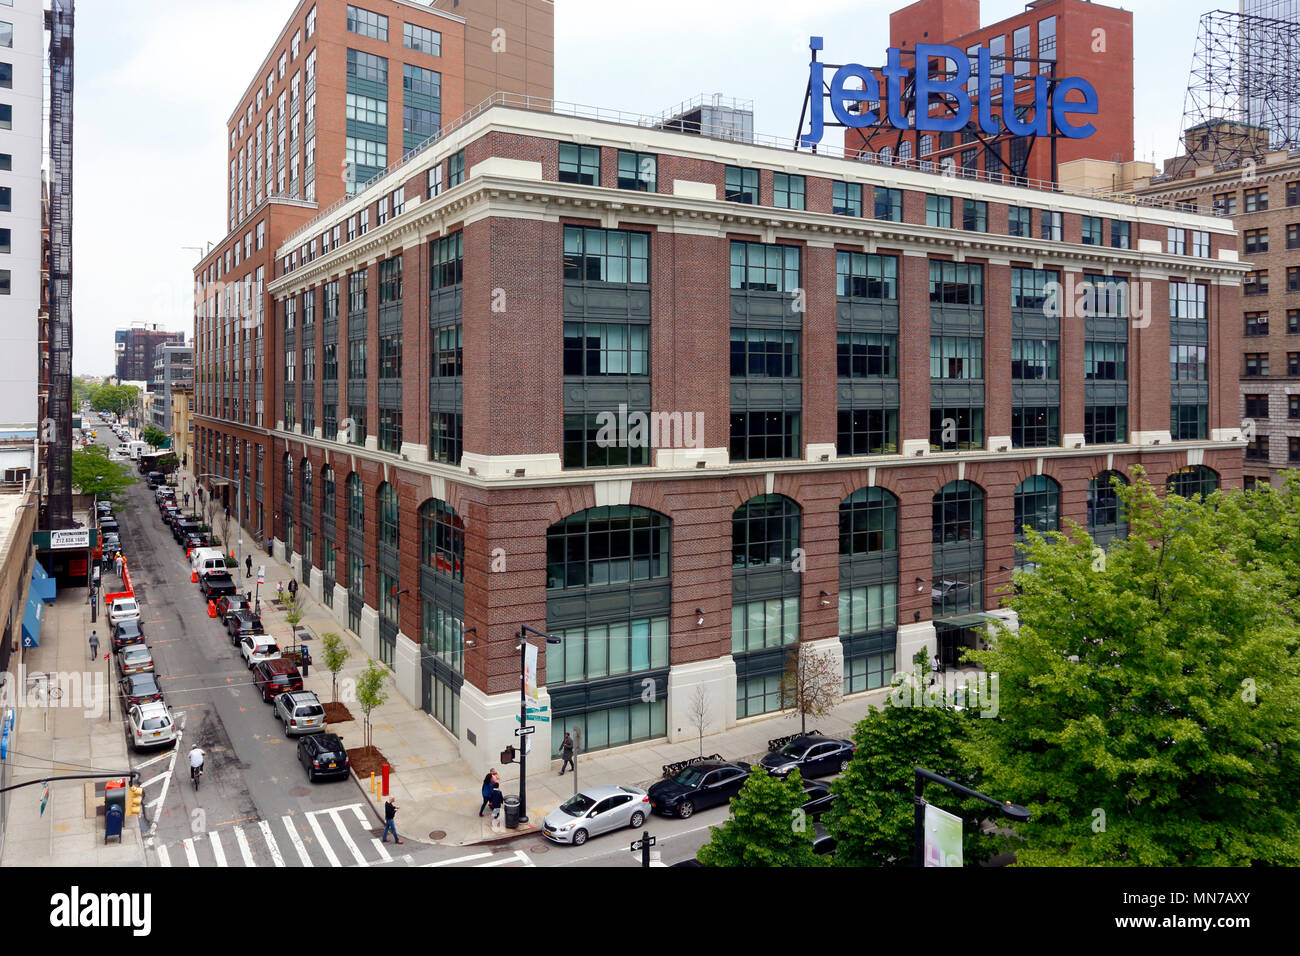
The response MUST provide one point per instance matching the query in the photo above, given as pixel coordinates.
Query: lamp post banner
(530, 672)
(942, 837)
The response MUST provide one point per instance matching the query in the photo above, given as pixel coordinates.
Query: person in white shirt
(196, 760)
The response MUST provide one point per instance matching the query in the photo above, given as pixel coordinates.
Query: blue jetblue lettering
(953, 90)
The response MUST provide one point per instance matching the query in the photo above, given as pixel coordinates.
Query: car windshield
(266, 649)
(155, 723)
(143, 683)
(137, 653)
(122, 606)
(311, 710)
(577, 805)
(794, 748)
(689, 777)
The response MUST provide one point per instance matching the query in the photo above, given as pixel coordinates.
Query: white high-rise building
(22, 95)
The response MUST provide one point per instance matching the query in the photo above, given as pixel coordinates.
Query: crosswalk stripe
(163, 858)
(296, 840)
(191, 857)
(347, 840)
(459, 859)
(218, 850)
(243, 846)
(518, 858)
(365, 821)
(271, 845)
(320, 838)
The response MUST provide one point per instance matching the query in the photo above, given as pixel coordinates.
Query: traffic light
(508, 755)
(134, 801)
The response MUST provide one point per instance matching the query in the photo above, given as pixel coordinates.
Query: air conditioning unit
(17, 474)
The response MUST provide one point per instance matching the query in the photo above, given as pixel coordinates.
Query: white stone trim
(505, 466)
(718, 678)
(694, 190)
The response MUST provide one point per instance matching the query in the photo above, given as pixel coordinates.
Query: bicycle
(195, 774)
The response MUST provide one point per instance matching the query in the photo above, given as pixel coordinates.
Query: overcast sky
(156, 80)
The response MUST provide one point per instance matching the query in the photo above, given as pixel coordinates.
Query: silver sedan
(594, 811)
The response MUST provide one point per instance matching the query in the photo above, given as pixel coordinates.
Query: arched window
(764, 531)
(868, 522)
(1194, 481)
(442, 539)
(356, 503)
(1105, 511)
(328, 500)
(927, 144)
(610, 545)
(1038, 507)
(886, 156)
(904, 151)
(958, 513)
(389, 533)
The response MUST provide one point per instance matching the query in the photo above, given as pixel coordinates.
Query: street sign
(261, 574)
(539, 719)
(638, 844)
(525, 731)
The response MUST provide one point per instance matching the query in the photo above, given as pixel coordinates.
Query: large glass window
(1034, 359)
(866, 276)
(607, 545)
(606, 348)
(1105, 424)
(447, 261)
(761, 436)
(764, 532)
(956, 357)
(762, 624)
(1035, 426)
(788, 191)
(764, 268)
(956, 283)
(958, 513)
(367, 66)
(866, 354)
(868, 522)
(356, 503)
(846, 199)
(742, 185)
(637, 171)
(421, 39)
(364, 23)
(765, 353)
(866, 431)
(1193, 480)
(1105, 510)
(390, 280)
(938, 211)
(579, 164)
(606, 255)
(389, 524)
(447, 359)
(956, 428)
(442, 539)
(889, 204)
(1038, 507)
(416, 79)
(1105, 361)
(608, 650)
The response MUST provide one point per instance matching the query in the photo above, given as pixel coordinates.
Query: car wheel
(685, 809)
(844, 765)
(638, 818)
(311, 777)
(579, 837)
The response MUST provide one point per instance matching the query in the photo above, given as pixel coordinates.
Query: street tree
(1148, 710)
(697, 712)
(767, 826)
(371, 694)
(811, 686)
(336, 655)
(293, 612)
(115, 399)
(155, 436)
(94, 473)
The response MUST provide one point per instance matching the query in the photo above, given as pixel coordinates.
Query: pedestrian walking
(187, 499)
(935, 666)
(495, 800)
(94, 644)
(117, 564)
(306, 660)
(390, 811)
(248, 566)
(293, 589)
(487, 791)
(566, 751)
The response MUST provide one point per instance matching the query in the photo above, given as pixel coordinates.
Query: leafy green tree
(81, 391)
(371, 694)
(872, 817)
(293, 612)
(336, 655)
(155, 436)
(1148, 699)
(94, 473)
(117, 399)
(767, 826)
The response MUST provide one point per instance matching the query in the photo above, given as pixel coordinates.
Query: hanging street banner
(530, 672)
(942, 837)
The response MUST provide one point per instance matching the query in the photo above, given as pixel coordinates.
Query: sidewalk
(61, 732)
(435, 789)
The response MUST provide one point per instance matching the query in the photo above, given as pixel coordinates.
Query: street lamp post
(524, 631)
(239, 510)
(1010, 810)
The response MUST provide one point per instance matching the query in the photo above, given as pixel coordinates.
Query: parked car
(823, 842)
(215, 584)
(183, 528)
(594, 811)
(157, 478)
(275, 676)
(814, 755)
(195, 539)
(150, 725)
(322, 755)
(701, 784)
(104, 506)
(230, 604)
(817, 798)
(300, 711)
(109, 524)
(126, 633)
(112, 542)
(135, 659)
(140, 688)
(242, 623)
(123, 609)
(255, 648)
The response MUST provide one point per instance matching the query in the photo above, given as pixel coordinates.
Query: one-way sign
(638, 844)
(525, 731)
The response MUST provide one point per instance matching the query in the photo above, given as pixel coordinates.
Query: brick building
(138, 348)
(1083, 39)
(1260, 198)
(859, 390)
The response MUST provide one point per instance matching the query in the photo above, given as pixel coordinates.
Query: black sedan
(813, 754)
(817, 798)
(322, 755)
(702, 784)
(140, 688)
(126, 633)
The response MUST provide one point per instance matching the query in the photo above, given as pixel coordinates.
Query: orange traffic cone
(232, 554)
(194, 576)
(212, 609)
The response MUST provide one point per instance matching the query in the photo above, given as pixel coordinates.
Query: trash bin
(113, 823)
(512, 812)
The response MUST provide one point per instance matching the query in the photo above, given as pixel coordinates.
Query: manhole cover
(540, 848)
(437, 835)
(300, 792)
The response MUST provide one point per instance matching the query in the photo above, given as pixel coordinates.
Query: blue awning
(32, 620)
(42, 583)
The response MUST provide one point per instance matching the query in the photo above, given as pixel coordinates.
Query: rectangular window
(741, 185)
(1187, 363)
(1293, 406)
(1189, 422)
(1293, 321)
(760, 436)
(1176, 241)
(1293, 193)
(974, 215)
(866, 355)
(866, 431)
(956, 429)
(447, 359)
(1257, 406)
(1225, 204)
(367, 24)
(1187, 300)
(938, 211)
(1256, 323)
(606, 255)
(357, 359)
(602, 349)
(762, 268)
(956, 283)
(6, 34)
(788, 191)
(421, 39)
(357, 291)
(1293, 278)
(416, 79)
(6, 241)
(447, 261)
(1035, 426)
(637, 171)
(1091, 234)
(1256, 240)
(1200, 244)
(1051, 225)
(1105, 424)
(1293, 364)
(889, 204)
(435, 180)
(446, 437)
(7, 77)
(1120, 235)
(390, 280)
(1035, 360)
(357, 413)
(1105, 361)
(862, 276)
(1020, 221)
(585, 448)
(6, 116)
(390, 430)
(367, 66)
(1256, 364)
(955, 357)
(455, 169)
(1255, 283)
(846, 199)
(1255, 200)
(764, 353)
(6, 282)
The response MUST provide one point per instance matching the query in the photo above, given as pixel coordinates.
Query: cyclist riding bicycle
(196, 760)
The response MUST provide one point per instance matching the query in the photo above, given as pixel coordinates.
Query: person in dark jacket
(248, 566)
(390, 811)
(566, 752)
(488, 784)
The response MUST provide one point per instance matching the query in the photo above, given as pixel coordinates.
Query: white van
(135, 449)
(204, 560)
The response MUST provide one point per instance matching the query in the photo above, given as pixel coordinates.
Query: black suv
(230, 604)
(242, 622)
(700, 784)
(184, 527)
(215, 584)
(322, 755)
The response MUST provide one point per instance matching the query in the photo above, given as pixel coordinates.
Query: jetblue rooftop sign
(1050, 113)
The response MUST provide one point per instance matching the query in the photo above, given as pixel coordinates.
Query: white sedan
(123, 609)
(257, 648)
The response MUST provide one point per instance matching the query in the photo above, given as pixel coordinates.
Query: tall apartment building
(680, 401)
(173, 367)
(140, 346)
(509, 45)
(22, 97)
(1083, 39)
(346, 91)
(1261, 200)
